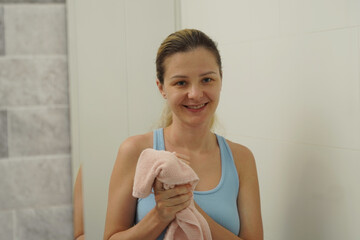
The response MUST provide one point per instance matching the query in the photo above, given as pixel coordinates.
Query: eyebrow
(201, 75)
(207, 73)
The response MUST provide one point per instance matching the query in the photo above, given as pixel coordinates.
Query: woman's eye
(181, 83)
(206, 80)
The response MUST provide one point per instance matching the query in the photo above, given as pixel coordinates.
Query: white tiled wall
(142, 39)
(298, 17)
(291, 93)
(232, 21)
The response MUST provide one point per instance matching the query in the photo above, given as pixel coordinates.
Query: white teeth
(196, 107)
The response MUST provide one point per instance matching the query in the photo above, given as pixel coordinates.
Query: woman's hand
(171, 201)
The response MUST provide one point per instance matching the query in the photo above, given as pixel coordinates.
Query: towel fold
(188, 224)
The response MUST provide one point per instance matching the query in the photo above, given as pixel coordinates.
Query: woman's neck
(189, 139)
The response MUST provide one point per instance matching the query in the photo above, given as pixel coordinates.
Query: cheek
(175, 97)
(214, 94)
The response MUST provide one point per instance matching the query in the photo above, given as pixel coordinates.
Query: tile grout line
(8, 132)
(32, 56)
(36, 157)
(3, 30)
(14, 224)
(42, 206)
(358, 63)
(27, 4)
(358, 48)
(35, 207)
(35, 107)
(296, 142)
(286, 36)
(279, 19)
(126, 70)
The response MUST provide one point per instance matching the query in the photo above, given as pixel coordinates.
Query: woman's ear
(161, 88)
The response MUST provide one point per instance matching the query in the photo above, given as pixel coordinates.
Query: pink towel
(167, 168)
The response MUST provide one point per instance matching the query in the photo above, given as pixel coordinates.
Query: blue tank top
(219, 203)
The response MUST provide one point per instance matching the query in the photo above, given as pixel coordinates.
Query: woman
(189, 77)
(78, 204)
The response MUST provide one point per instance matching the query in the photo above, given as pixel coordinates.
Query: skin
(78, 208)
(192, 86)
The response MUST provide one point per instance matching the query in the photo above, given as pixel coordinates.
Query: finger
(158, 186)
(167, 211)
(173, 192)
(182, 206)
(178, 200)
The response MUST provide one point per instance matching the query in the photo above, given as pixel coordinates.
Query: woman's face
(192, 85)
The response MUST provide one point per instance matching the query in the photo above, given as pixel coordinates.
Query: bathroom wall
(35, 165)
(291, 93)
(112, 50)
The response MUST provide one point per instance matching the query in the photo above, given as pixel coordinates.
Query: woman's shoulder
(134, 145)
(243, 158)
(128, 155)
(239, 150)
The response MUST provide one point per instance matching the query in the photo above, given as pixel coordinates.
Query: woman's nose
(195, 92)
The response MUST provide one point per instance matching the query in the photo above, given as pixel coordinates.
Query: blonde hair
(166, 117)
(182, 41)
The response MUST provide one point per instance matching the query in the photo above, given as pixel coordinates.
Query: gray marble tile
(34, 132)
(2, 36)
(6, 225)
(3, 135)
(35, 182)
(32, 1)
(53, 223)
(35, 81)
(35, 29)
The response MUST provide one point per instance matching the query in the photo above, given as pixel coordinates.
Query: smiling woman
(189, 78)
(178, 45)
(192, 85)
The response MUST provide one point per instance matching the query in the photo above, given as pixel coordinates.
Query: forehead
(197, 60)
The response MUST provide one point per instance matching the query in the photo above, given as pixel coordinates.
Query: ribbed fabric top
(219, 203)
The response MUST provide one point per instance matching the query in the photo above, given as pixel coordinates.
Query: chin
(198, 122)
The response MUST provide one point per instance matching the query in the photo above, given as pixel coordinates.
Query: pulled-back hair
(182, 41)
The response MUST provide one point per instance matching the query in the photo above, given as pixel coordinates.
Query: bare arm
(249, 195)
(78, 207)
(122, 205)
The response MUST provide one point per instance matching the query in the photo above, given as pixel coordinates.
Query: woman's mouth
(195, 107)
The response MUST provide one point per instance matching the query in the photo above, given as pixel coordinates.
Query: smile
(195, 106)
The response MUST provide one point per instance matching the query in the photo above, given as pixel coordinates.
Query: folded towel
(188, 224)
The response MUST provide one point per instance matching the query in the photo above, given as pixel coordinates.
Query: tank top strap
(226, 152)
(158, 139)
